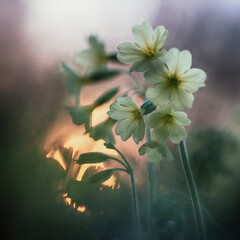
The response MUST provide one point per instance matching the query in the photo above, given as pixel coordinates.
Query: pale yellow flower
(147, 46)
(130, 118)
(174, 80)
(167, 123)
(93, 58)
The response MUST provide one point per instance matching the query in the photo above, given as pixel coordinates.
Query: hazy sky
(61, 26)
(61, 23)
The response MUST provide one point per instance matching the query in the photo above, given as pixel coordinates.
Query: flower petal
(181, 99)
(159, 94)
(181, 117)
(160, 37)
(160, 55)
(139, 132)
(193, 79)
(157, 73)
(125, 128)
(129, 52)
(122, 125)
(142, 34)
(154, 156)
(140, 66)
(161, 133)
(171, 60)
(116, 112)
(177, 133)
(153, 120)
(165, 109)
(84, 57)
(184, 62)
(146, 147)
(126, 102)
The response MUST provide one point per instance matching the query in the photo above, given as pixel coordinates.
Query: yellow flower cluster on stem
(173, 84)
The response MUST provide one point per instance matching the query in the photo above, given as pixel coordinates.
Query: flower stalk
(136, 214)
(152, 176)
(193, 191)
(135, 205)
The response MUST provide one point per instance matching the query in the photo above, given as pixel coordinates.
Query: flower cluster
(166, 83)
(172, 81)
(173, 84)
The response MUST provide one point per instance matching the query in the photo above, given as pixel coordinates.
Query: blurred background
(35, 37)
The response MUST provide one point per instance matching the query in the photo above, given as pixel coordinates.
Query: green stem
(124, 159)
(121, 169)
(152, 176)
(129, 170)
(135, 80)
(136, 214)
(119, 161)
(193, 192)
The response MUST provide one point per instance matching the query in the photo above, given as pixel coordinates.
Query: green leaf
(92, 157)
(95, 43)
(100, 176)
(102, 74)
(113, 57)
(80, 115)
(69, 71)
(109, 145)
(106, 97)
(73, 81)
(103, 131)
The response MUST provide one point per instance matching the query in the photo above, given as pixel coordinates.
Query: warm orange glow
(68, 201)
(82, 144)
(81, 209)
(55, 154)
(72, 137)
(99, 114)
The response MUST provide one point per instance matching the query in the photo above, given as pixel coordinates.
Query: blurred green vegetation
(34, 209)
(214, 157)
(32, 206)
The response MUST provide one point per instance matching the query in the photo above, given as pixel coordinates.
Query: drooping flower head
(174, 80)
(93, 58)
(156, 151)
(147, 46)
(130, 118)
(167, 123)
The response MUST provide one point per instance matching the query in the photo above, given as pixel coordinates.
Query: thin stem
(119, 161)
(129, 170)
(136, 214)
(193, 191)
(135, 80)
(152, 175)
(124, 159)
(121, 169)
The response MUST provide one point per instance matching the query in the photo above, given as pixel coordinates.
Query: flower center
(168, 118)
(136, 115)
(150, 52)
(173, 81)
